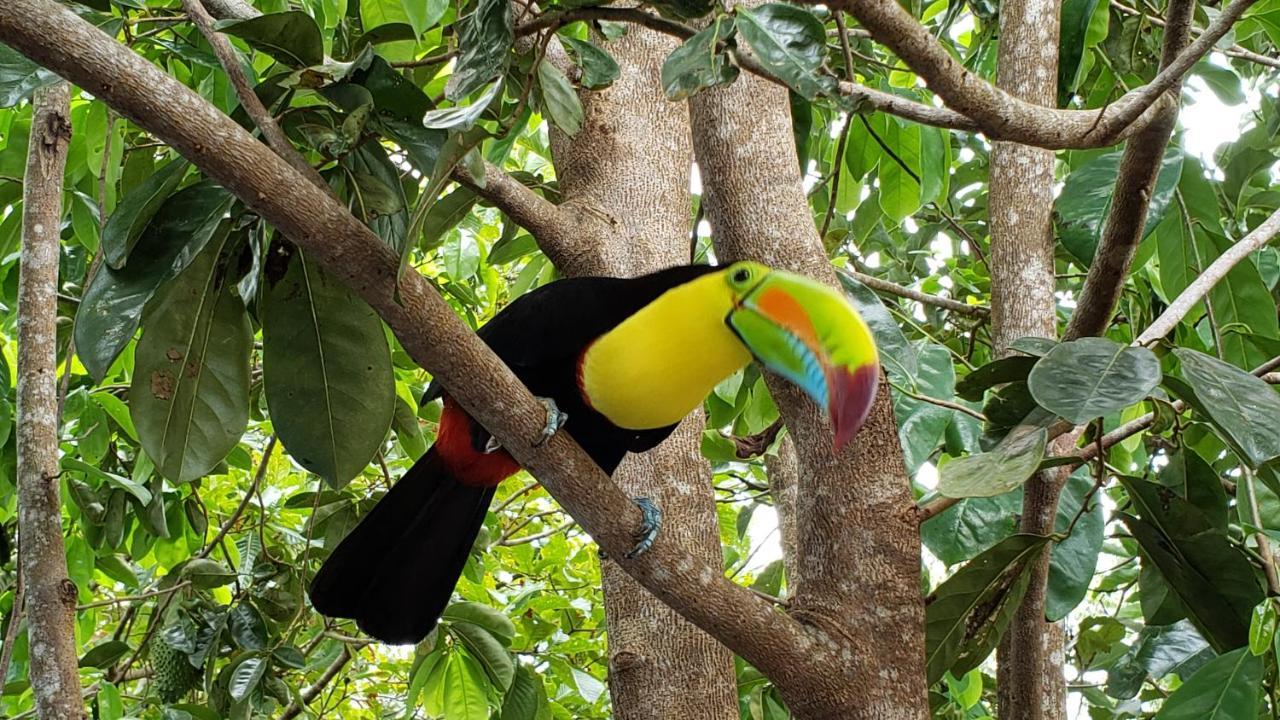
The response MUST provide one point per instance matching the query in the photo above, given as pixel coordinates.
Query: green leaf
(1262, 627)
(896, 353)
(486, 39)
(1092, 377)
(508, 250)
(207, 574)
(1076, 15)
(701, 62)
(1213, 579)
(327, 372)
(377, 197)
(246, 676)
(923, 425)
(527, 698)
(189, 398)
(462, 117)
(123, 483)
(1239, 404)
(1157, 652)
(1073, 561)
(791, 43)
(247, 627)
(1226, 688)
(19, 77)
(559, 100)
(1007, 466)
(998, 372)
(971, 526)
(290, 37)
(131, 216)
(104, 654)
(484, 616)
(487, 650)
(1084, 205)
(899, 178)
(112, 305)
(424, 14)
(1196, 481)
(465, 691)
(1224, 82)
(599, 69)
(967, 614)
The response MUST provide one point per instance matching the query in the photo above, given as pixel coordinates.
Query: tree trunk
(625, 176)
(856, 571)
(50, 594)
(1022, 304)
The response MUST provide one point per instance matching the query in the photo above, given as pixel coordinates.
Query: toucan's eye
(742, 275)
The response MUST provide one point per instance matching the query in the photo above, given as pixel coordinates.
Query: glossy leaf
(599, 69)
(488, 651)
(1239, 404)
(1226, 688)
(327, 372)
(559, 100)
(1085, 202)
(1157, 652)
(19, 77)
(971, 526)
(290, 37)
(1196, 481)
(462, 117)
(125, 226)
(1004, 468)
(967, 614)
(527, 698)
(190, 390)
(465, 696)
(700, 62)
(246, 676)
(1073, 561)
(1091, 377)
(790, 42)
(486, 39)
(112, 306)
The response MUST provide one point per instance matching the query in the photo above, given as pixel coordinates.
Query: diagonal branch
(1131, 200)
(1002, 116)
(793, 656)
(550, 224)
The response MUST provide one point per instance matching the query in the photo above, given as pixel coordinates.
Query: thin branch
(940, 402)
(1002, 116)
(539, 536)
(754, 445)
(244, 502)
(557, 235)
(526, 488)
(313, 691)
(230, 62)
(1131, 199)
(1208, 278)
(1260, 537)
(1235, 51)
(134, 598)
(938, 301)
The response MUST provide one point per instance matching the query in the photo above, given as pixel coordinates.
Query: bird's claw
(648, 528)
(555, 420)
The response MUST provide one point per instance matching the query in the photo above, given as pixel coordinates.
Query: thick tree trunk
(1031, 686)
(856, 571)
(50, 594)
(625, 176)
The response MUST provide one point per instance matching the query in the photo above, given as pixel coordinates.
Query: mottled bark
(855, 575)
(625, 179)
(50, 594)
(784, 481)
(1031, 685)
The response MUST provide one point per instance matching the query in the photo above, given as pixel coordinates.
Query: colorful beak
(811, 335)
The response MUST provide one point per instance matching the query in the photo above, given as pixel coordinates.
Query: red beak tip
(852, 394)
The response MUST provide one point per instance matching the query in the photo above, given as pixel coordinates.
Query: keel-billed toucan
(624, 360)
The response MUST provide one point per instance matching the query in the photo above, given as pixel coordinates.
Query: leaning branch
(938, 301)
(1210, 277)
(1131, 200)
(1002, 116)
(549, 224)
(54, 36)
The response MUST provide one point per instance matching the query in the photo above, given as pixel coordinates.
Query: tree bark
(1031, 685)
(625, 177)
(50, 594)
(855, 577)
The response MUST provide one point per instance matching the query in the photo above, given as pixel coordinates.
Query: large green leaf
(487, 650)
(1196, 481)
(791, 42)
(190, 393)
(135, 210)
(971, 526)
(921, 424)
(1071, 44)
(465, 689)
(1213, 578)
(599, 69)
(1004, 468)
(19, 77)
(245, 677)
(1157, 652)
(559, 100)
(997, 372)
(527, 698)
(1073, 561)
(1226, 688)
(701, 62)
(1239, 404)
(967, 614)
(1092, 377)
(327, 371)
(377, 197)
(899, 175)
(112, 305)
(1085, 202)
(424, 14)
(290, 37)
(486, 39)
(462, 117)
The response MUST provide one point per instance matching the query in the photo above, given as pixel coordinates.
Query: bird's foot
(648, 528)
(555, 420)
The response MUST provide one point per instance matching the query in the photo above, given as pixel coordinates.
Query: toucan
(619, 362)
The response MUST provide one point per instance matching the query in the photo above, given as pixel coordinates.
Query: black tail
(395, 572)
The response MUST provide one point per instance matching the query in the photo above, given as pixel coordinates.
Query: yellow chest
(658, 365)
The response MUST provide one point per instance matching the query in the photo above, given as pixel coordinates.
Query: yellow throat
(659, 364)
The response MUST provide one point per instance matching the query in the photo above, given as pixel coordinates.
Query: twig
(310, 693)
(940, 402)
(1235, 51)
(753, 445)
(526, 488)
(244, 502)
(844, 134)
(135, 598)
(885, 286)
(540, 536)
(1208, 278)
(15, 619)
(1260, 537)
(429, 60)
